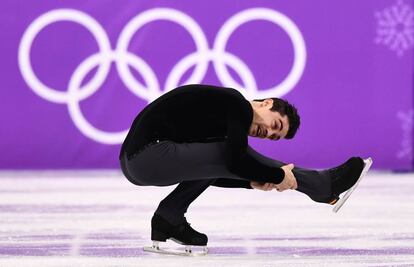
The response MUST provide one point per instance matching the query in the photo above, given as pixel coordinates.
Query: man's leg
(168, 163)
(196, 165)
(175, 205)
(313, 183)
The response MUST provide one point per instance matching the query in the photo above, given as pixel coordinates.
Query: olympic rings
(151, 90)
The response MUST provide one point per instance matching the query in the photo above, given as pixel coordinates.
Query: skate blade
(187, 252)
(341, 201)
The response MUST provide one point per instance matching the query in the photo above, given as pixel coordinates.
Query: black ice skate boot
(345, 178)
(183, 234)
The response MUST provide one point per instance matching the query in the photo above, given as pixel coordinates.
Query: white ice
(98, 218)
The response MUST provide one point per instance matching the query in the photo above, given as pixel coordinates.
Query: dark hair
(285, 108)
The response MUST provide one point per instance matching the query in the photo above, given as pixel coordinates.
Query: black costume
(196, 135)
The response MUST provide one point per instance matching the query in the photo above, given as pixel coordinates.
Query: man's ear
(268, 102)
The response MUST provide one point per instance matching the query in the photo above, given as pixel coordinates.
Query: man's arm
(236, 183)
(238, 160)
(232, 183)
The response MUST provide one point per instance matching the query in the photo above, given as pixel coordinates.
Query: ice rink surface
(100, 219)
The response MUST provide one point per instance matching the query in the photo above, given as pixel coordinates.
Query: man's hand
(289, 182)
(262, 186)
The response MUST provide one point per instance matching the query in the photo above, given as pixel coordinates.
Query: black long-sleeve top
(203, 113)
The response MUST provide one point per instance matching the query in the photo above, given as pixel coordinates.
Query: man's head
(274, 118)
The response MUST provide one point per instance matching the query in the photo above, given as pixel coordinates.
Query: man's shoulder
(204, 89)
(194, 93)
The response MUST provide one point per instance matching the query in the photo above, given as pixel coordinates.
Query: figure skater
(197, 136)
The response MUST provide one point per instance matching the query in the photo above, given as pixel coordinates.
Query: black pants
(196, 166)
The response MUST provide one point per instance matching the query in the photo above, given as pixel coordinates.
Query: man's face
(267, 123)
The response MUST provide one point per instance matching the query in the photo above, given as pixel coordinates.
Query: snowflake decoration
(395, 27)
(406, 149)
